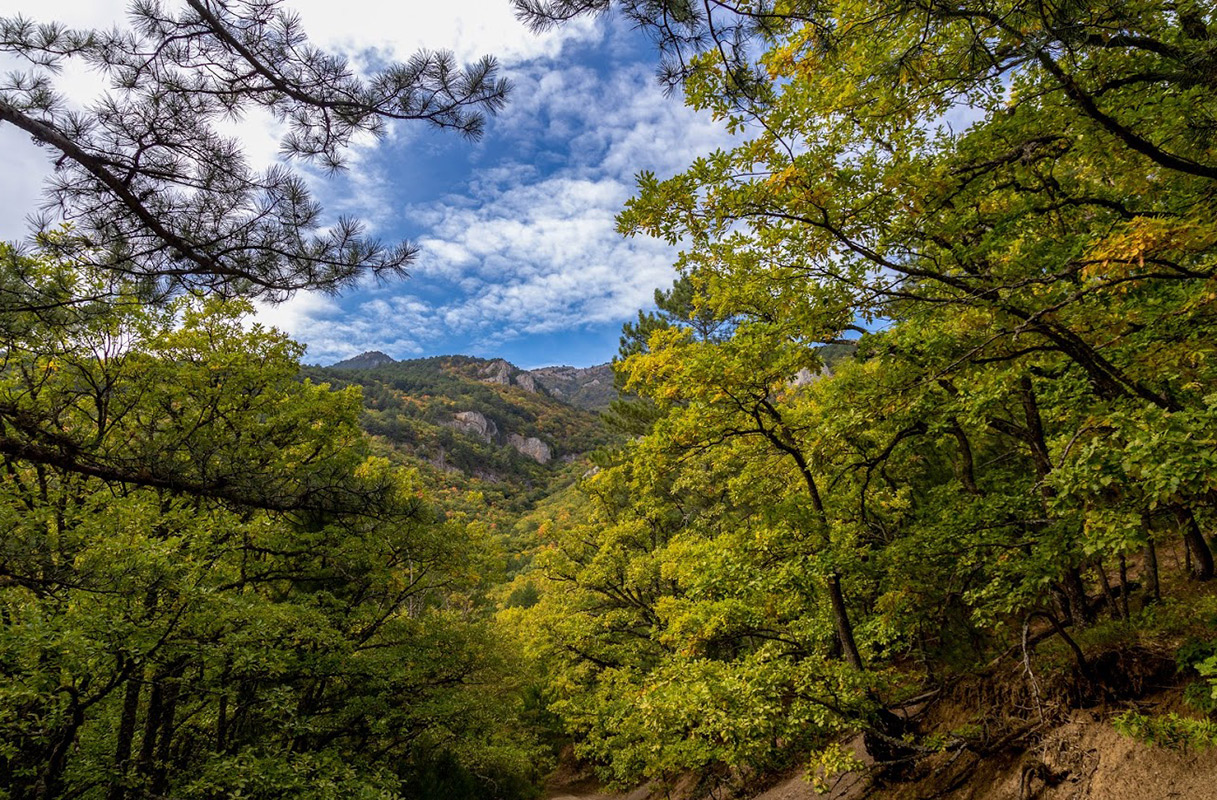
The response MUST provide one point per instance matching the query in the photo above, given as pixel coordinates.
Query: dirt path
(589, 791)
(573, 782)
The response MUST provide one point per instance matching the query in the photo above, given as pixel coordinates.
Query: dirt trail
(591, 792)
(572, 781)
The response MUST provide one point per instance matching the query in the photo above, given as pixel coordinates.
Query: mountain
(475, 423)
(587, 387)
(369, 360)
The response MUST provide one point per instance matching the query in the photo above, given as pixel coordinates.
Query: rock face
(526, 382)
(589, 388)
(498, 371)
(805, 376)
(476, 423)
(368, 360)
(532, 447)
(504, 373)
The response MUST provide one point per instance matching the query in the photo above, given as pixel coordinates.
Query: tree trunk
(1198, 548)
(883, 739)
(152, 724)
(1124, 587)
(1075, 591)
(1108, 594)
(965, 469)
(840, 618)
(840, 614)
(160, 773)
(222, 724)
(48, 786)
(126, 735)
(1151, 565)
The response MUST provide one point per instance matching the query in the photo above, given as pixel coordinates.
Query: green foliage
(1204, 695)
(828, 763)
(1200, 657)
(1028, 415)
(209, 586)
(921, 395)
(1171, 731)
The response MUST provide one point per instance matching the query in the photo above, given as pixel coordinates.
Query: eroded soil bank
(1081, 757)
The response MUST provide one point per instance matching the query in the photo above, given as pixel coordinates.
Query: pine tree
(154, 191)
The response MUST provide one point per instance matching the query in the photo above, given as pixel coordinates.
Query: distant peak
(369, 360)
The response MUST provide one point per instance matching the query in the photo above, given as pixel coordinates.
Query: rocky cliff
(487, 419)
(585, 387)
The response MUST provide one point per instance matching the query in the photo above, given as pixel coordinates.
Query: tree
(636, 415)
(155, 193)
(1070, 217)
(208, 586)
(1016, 200)
(213, 588)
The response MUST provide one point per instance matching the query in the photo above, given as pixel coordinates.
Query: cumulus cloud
(25, 167)
(526, 244)
(538, 254)
(534, 259)
(469, 28)
(530, 247)
(542, 256)
(402, 326)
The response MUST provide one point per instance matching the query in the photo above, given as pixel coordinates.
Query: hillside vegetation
(909, 479)
(425, 408)
(1011, 484)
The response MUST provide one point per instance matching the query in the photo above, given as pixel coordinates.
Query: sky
(519, 254)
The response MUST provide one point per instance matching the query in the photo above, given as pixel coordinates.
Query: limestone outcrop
(476, 423)
(532, 447)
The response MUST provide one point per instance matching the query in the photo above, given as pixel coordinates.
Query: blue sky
(519, 257)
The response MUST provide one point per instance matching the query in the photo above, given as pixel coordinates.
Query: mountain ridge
(486, 419)
(590, 388)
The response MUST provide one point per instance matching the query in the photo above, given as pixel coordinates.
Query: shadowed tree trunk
(1151, 561)
(845, 630)
(1197, 547)
(1075, 594)
(126, 735)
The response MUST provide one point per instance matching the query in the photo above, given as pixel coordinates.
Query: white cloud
(469, 28)
(529, 249)
(399, 325)
(542, 257)
(542, 254)
(73, 13)
(616, 124)
(532, 259)
(259, 135)
(25, 166)
(529, 245)
(290, 315)
(359, 28)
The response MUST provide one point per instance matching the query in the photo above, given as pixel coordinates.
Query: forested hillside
(470, 417)
(913, 468)
(1008, 208)
(489, 445)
